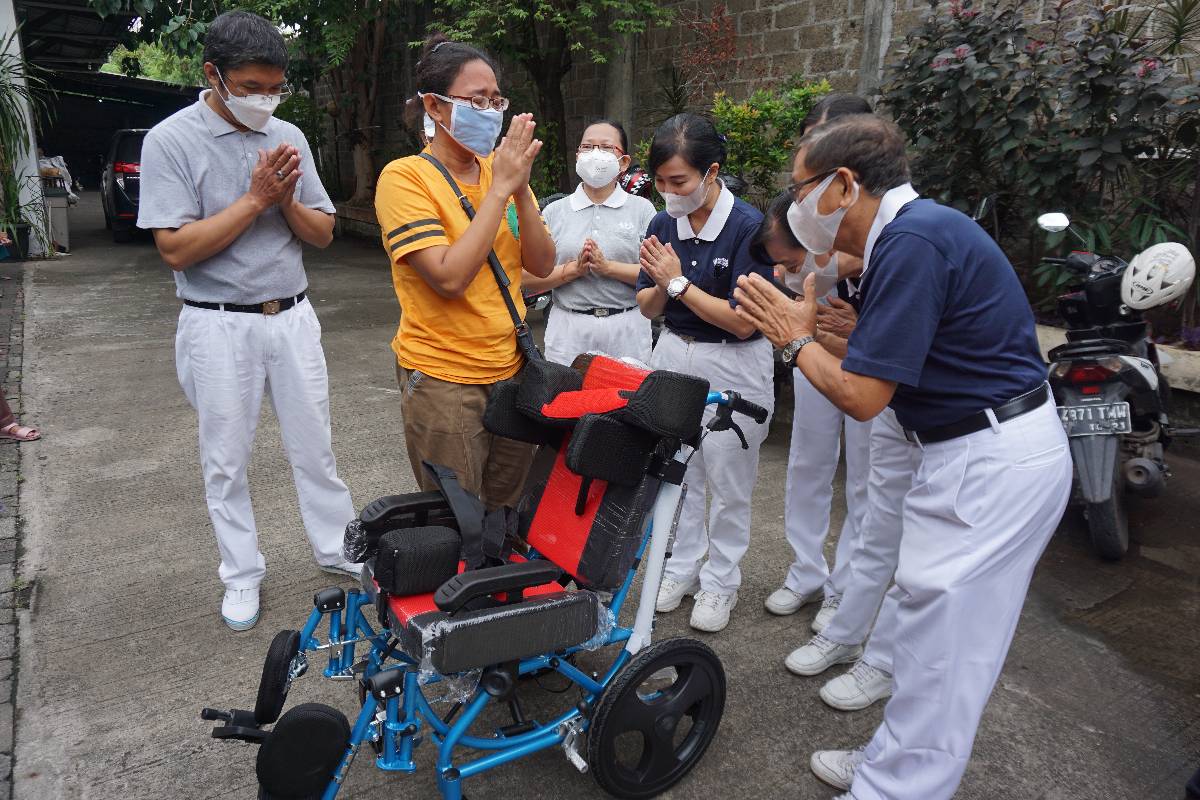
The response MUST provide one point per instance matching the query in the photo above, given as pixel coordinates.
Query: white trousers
(872, 560)
(720, 466)
(625, 335)
(980, 512)
(225, 360)
(812, 461)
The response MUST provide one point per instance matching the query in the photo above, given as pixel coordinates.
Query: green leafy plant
(1085, 121)
(761, 133)
(152, 60)
(23, 91)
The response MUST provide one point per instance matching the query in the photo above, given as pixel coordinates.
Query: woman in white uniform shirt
(597, 232)
(693, 254)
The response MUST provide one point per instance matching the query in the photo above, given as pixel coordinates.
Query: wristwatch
(793, 348)
(677, 286)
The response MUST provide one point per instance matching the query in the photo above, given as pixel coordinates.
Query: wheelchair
(449, 612)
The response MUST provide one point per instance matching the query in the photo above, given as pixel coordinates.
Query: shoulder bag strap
(524, 336)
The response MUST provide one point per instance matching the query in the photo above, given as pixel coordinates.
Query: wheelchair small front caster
(284, 663)
(671, 722)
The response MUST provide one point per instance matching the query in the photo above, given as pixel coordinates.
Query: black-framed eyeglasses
(478, 102)
(584, 149)
(793, 189)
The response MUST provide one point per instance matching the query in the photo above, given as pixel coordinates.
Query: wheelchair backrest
(605, 427)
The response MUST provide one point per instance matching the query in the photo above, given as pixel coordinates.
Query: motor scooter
(1112, 396)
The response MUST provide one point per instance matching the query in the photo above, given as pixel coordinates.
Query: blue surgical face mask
(474, 129)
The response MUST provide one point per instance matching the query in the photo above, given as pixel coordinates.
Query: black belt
(270, 307)
(600, 312)
(979, 421)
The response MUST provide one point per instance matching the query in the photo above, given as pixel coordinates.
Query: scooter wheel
(1108, 524)
(656, 719)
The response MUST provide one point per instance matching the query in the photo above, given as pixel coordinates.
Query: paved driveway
(123, 645)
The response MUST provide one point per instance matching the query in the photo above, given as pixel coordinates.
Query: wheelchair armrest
(385, 509)
(455, 593)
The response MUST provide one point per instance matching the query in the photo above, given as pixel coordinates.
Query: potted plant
(21, 100)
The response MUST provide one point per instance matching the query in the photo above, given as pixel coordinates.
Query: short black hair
(237, 38)
(832, 106)
(691, 137)
(612, 123)
(872, 147)
(774, 225)
(441, 61)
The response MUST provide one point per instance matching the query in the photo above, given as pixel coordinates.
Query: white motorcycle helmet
(1157, 275)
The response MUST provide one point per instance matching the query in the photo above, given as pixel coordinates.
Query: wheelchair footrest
(239, 725)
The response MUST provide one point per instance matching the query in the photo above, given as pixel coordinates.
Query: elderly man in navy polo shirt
(946, 339)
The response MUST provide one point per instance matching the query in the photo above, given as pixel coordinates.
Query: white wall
(26, 166)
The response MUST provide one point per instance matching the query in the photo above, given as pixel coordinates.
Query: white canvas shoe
(239, 608)
(783, 601)
(858, 688)
(711, 612)
(671, 593)
(819, 654)
(829, 607)
(836, 767)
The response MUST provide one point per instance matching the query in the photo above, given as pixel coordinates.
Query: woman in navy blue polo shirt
(691, 258)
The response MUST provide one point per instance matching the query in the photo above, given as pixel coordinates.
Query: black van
(120, 183)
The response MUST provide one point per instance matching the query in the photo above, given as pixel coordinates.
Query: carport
(71, 41)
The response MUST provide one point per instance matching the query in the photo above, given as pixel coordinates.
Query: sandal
(20, 433)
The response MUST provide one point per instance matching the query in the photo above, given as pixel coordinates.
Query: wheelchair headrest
(550, 396)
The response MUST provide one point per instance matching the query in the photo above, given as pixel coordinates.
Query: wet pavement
(123, 644)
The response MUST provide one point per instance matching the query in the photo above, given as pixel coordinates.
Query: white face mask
(680, 205)
(826, 281)
(254, 111)
(597, 168)
(815, 231)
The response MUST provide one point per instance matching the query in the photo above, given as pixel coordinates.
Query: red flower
(962, 51)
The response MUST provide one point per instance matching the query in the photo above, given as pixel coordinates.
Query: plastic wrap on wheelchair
(477, 599)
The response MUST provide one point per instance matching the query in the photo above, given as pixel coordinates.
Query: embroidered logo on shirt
(720, 265)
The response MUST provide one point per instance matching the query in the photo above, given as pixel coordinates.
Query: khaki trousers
(443, 424)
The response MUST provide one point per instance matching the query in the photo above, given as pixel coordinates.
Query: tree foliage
(153, 61)
(1078, 114)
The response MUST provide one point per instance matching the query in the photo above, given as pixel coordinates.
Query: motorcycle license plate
(1095, 420)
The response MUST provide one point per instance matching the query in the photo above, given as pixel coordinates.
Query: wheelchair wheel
(656, 719)
(277, 676)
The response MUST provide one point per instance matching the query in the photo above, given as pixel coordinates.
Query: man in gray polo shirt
(230, 192)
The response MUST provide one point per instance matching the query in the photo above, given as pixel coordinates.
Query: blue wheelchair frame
(409, 714)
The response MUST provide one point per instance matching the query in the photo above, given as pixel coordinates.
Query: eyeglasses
(283, 90)
(477, 102)
(794, 188)
(584, 149)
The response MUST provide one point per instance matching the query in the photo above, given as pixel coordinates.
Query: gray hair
(871, 147)
(237, 38)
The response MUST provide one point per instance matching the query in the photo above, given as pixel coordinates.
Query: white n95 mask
(597, 168)
(826, 280)
(254, 111)
(817, 232)
(680, 205)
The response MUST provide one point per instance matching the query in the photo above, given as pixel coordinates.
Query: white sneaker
(783, 601)
(819, 654)
(829, 607)
(343, 568)
(858, 688)
(671, 593)
(836, 767)
(711, 612)
(239, 609)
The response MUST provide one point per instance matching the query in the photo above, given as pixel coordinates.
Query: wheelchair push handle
(736, 403)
